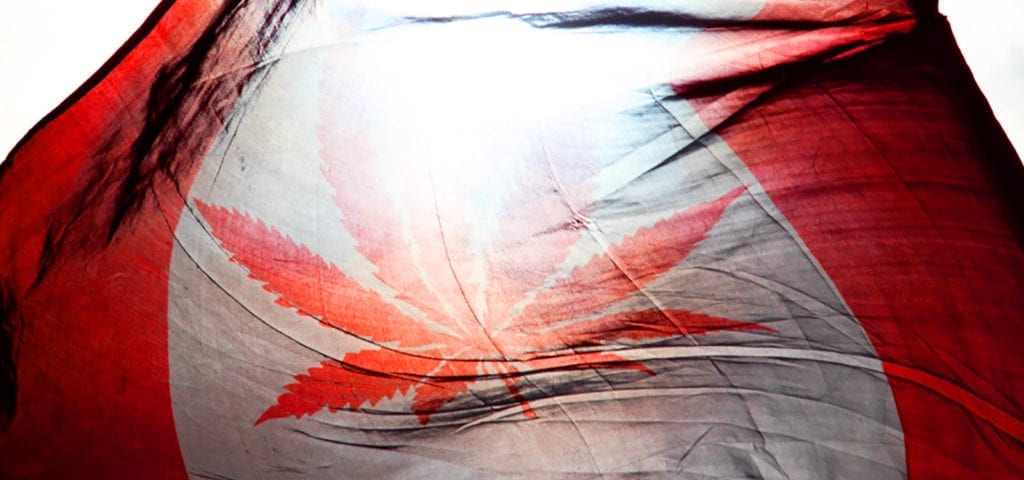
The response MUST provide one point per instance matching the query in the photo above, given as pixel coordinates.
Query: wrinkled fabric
(570, 239)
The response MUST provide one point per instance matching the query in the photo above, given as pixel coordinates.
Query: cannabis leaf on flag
(441, 352)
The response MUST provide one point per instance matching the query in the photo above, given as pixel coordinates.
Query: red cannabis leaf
(444, 331)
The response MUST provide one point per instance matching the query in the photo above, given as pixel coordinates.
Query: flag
(562, 239)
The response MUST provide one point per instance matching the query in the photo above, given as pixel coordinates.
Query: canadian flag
(560, 239)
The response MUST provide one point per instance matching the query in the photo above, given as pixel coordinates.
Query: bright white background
(48, 48)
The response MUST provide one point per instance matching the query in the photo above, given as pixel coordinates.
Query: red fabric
(879, 153)
(93, 397)
(901, 184)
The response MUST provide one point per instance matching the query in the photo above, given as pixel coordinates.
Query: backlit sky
(47, 49)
